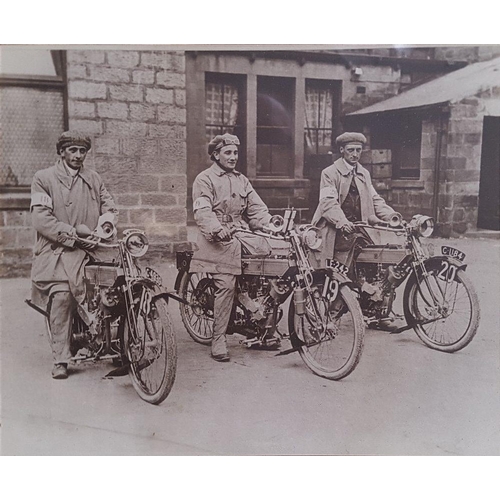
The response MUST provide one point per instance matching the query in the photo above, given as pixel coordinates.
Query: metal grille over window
(32, 120)
(222, 102)
(318, 120)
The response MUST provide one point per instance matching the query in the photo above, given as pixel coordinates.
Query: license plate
(154, 276)
(338, 266)
(453, 252)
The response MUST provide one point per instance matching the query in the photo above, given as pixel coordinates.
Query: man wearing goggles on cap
(346, 196)
(224, 201)
(66, 199)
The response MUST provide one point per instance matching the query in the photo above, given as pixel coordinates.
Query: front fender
(334, 275)
(434, 262)
(143, 280)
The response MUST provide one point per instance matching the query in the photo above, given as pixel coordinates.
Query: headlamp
(136, 243)
(423, 225)
(310, 236)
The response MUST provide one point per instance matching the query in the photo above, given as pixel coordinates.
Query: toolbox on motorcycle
(268, 266)
(382, 254)
(102, 274)
(382, 237)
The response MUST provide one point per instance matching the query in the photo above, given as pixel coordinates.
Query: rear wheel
(443, 307)
(150, 346)
(198, 289)
(330, 340)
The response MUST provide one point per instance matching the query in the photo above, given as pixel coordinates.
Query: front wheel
(330, 334)
(442, 307)
(198, 290)
(150, 347)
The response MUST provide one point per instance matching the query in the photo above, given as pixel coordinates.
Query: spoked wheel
(334, 337)
(151, 347)
(443, 308)
(198, 290)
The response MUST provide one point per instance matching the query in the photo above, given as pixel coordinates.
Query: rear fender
(178, 280)
(183, 260)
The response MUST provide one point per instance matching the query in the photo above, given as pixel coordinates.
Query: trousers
(62, 309)
(223, 303)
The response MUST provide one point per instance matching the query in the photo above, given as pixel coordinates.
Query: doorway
(489, 183)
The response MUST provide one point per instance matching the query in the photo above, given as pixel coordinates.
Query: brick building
(151, 114)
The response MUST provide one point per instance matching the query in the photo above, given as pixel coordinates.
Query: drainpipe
(437, 169)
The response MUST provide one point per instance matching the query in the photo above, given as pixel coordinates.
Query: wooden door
(489, 184)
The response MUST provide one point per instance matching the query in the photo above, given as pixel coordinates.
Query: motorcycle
(325, 323)
(126, 317)
(439, 301)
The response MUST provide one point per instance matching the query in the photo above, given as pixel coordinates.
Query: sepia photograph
(249, 250)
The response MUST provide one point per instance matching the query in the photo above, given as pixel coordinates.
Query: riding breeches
(223, 304)
(62, 309)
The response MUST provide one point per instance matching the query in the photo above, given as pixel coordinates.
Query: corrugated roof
(453, 87)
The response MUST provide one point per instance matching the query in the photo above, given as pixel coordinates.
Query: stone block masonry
(461, 170)
(133, 103)
(17, 237)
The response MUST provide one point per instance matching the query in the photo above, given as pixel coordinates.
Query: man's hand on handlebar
(348, 228)
(85, 244)
(223, 234)
(84, 235)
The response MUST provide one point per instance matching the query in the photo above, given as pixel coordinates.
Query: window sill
(407, 183)
(279, 182)
(15, 198)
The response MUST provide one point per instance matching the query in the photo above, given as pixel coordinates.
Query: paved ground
(402, 399)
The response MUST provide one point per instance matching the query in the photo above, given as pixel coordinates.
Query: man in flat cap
(346, 196)
(66, 199)
(223, 201)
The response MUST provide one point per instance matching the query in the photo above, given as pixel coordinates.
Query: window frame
(398, 132)
(272, 82)
(240, 128)
(14, 197)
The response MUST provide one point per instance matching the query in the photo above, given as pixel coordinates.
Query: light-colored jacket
(226, 199)
(329, 216)
(59, 202)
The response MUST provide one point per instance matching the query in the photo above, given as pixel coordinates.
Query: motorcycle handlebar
(258, 233)
(96, 243)
(384, 226)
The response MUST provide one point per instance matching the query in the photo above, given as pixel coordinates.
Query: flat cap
(73, 138)
(219, 141)
(350, 137)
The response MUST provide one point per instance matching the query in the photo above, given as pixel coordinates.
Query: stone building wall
(16, 240)
(410, 197)
(459, 186)
(133, 104)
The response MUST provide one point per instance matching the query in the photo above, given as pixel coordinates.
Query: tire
(333, 354)
(454, 331)
(151, 350)
(198, 289)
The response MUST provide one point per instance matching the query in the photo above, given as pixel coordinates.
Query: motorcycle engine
(377, 292)
(258, 295)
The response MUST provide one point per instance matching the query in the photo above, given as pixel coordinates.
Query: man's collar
(66, 178)
(345, 168)
(70, 171)
(220, 171)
